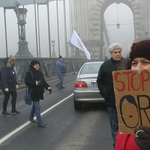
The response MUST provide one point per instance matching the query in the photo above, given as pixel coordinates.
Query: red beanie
(140, 49)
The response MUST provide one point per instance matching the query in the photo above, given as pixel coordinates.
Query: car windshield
(90, 68)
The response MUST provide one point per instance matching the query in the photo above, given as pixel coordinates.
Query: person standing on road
(139, 59)
(105, 85)
(9, 85)
(36, 83)
(60, 66)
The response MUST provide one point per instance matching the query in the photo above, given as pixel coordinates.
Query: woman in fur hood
(9, 85)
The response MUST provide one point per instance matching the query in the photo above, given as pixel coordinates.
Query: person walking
(9, 85)
(105, 85)
(139, 58)
(60, 66)
(36, 83)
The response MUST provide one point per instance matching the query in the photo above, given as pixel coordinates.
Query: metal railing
(48, 66)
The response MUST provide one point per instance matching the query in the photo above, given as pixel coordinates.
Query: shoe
(6, 113)
(15, 112)
(62, 87)
(42, 124)
(32, 120)
(57, 86)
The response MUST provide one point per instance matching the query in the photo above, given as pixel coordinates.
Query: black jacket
(8, 79)
(105, 80)
(36, 91)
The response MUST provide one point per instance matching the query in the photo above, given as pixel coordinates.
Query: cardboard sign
(132, 92)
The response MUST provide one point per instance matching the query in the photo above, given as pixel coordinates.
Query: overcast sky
(124, 35)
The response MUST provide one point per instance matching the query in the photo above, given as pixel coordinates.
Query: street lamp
(117, 24)
(53, 45)
(23, 44)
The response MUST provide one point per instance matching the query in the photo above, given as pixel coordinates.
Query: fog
(124, 35)
(12, 29)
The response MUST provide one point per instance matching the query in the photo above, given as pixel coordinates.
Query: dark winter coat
(105, 80)
(8, 79)
(36, 91)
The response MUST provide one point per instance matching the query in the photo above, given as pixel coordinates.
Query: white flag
(77, 42)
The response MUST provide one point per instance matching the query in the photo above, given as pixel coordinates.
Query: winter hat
(33, 62)
(60, 56)
(115, 46)
(8, 61)
(140, 49)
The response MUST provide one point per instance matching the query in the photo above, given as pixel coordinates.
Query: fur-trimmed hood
(8, 61)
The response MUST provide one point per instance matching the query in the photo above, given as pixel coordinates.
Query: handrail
(48, 66)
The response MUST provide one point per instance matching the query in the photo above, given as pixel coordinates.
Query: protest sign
(132, 93)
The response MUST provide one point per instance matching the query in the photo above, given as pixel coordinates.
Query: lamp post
(23, 44)
(67, 51)
(53, 45)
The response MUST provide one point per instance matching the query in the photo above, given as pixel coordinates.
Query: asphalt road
(67, 129)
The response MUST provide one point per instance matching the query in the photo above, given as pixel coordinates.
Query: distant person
(105, 85)
(36, 83)
(60, 66)
(9, 85)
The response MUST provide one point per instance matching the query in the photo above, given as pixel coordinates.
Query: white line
(28, 122)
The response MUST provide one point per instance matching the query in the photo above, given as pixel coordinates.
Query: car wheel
(77, 105)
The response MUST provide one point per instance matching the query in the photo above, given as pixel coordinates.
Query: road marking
(28, 122)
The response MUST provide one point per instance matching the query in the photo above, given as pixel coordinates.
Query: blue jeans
(36, 110)
(60, 82)
(113, 122)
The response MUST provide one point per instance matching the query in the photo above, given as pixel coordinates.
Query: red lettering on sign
(144, 80)
(123, 84)
(128, 73)
(132, 82)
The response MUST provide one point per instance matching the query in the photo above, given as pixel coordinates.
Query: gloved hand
(50, 90)
(6, 90)
(143, 139)
(38, 83)
(17, 86)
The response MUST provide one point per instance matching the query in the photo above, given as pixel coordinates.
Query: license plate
(94, 85)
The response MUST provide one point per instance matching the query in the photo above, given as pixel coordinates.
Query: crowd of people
(35, 82)
(139, 58)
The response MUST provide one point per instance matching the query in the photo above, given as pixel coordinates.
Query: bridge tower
(87, 19)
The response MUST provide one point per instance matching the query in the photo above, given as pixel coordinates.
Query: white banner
(77, 42)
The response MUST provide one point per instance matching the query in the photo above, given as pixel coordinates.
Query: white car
(85, 88)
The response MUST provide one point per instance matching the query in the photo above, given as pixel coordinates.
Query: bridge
(87, 17)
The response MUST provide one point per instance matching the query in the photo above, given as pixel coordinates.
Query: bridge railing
(48, 66)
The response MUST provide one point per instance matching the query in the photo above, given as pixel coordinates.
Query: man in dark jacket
(105, 85)
(35, 81)
(9, 85)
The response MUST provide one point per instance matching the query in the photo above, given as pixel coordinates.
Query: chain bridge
(86, 16)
